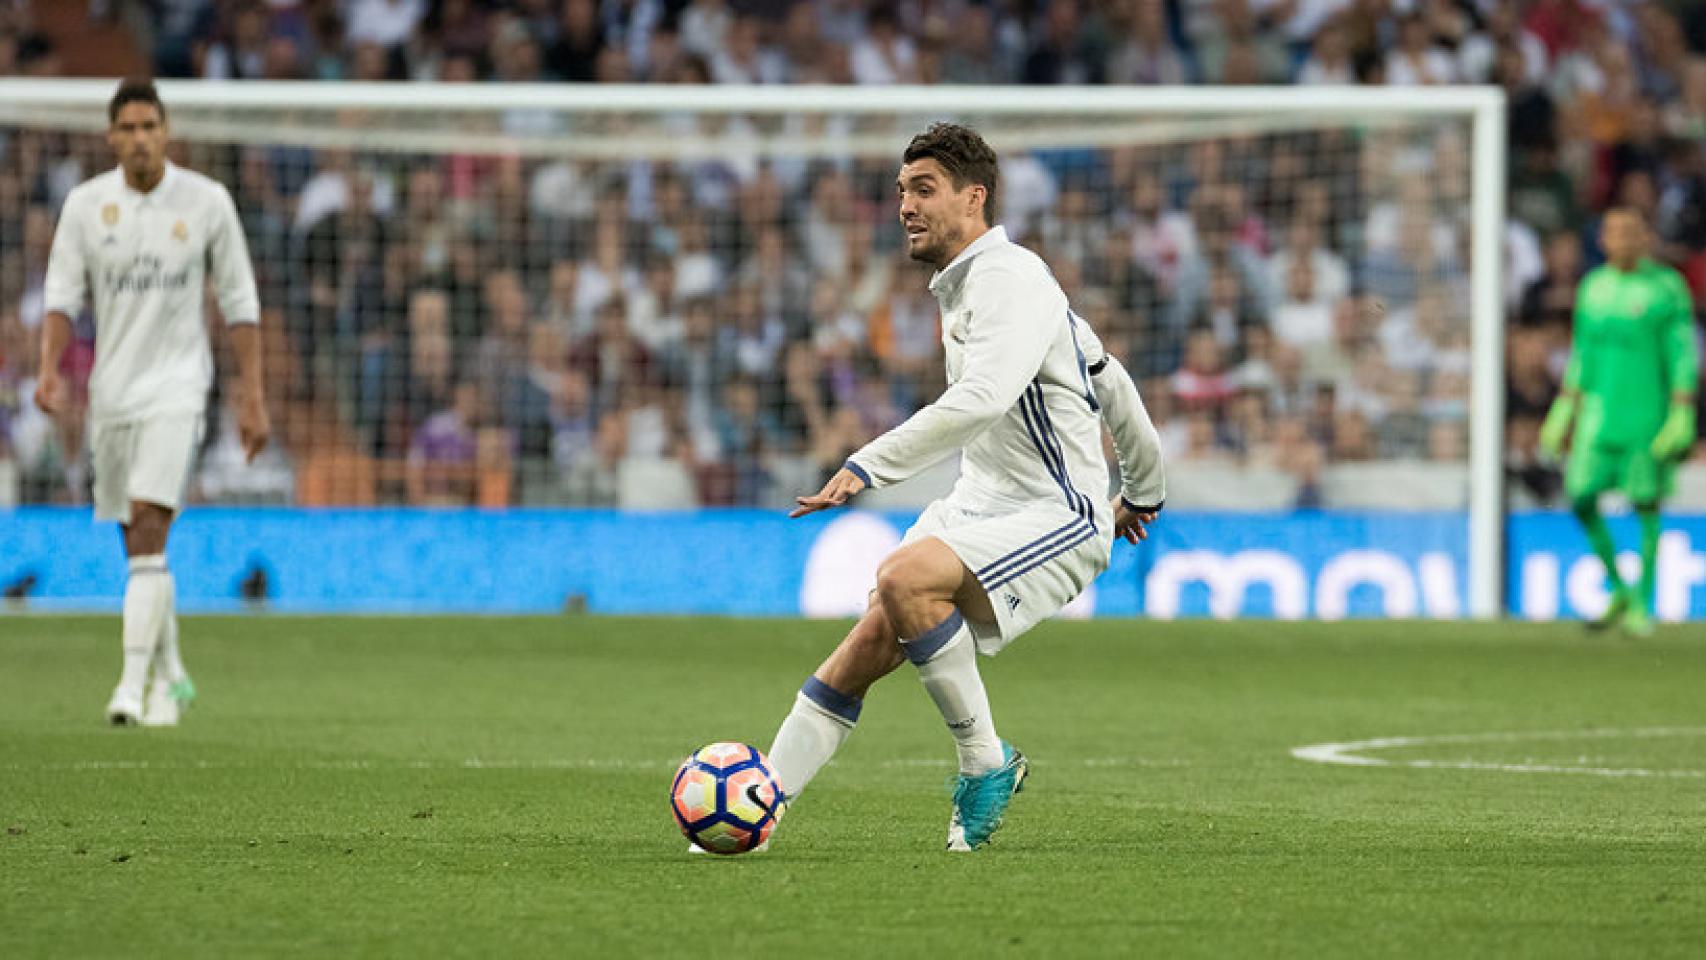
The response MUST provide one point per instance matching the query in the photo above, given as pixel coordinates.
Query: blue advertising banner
(1552, 574)
(746, 562)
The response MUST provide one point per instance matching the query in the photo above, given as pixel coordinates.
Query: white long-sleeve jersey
(1029, 386)
(145, 259)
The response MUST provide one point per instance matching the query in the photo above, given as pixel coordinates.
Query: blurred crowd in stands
(500, 330)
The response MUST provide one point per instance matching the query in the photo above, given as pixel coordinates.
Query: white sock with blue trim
(946, 658)
(818, 725)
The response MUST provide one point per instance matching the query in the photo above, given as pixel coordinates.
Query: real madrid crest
(180, 232)
(109, 214)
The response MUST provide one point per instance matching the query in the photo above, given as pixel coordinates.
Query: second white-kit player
(1027, 526)
(141, 242)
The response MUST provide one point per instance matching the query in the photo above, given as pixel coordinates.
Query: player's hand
(835, 493)
(1129, 524)
(254, 427)
(50, 392)
(1556, 430)
(1676, 437)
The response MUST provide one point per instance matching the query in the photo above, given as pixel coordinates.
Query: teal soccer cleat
(981, 801)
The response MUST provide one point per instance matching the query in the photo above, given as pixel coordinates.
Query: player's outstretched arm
(1005, 343)
(835, 493)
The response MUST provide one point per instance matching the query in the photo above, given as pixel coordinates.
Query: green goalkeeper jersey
(1633, 349)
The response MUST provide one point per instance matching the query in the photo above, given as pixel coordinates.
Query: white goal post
(457, 118)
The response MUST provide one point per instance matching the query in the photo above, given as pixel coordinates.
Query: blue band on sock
(921, 648)
(831, 699)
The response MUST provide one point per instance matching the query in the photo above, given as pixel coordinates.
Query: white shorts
(143, 460)
(1032, 562)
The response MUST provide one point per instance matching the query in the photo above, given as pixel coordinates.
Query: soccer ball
(724, 798)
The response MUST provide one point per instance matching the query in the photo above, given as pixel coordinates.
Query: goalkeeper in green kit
(1629, 393)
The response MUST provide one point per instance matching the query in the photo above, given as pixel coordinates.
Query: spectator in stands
(1304, 318)
(240, 51)
(971, 57)
(1202, 383)
(1294, 451)
(1403, 428)
(1353, 439)
(500, 361)
(611, 358)
(1329, 276)
(885, 54)
(1202, 444)
(579, 41)
(228, 475)
(1418, 59)
(1551, 299)
(747, 433)
(442, 455)
(1233, 48)
(1067, 47)
(1147, 53)
(1329, 60)
(388, 23)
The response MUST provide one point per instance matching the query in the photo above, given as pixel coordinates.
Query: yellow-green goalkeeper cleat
(1638, 622)
(1614, 611)
(980, 802)
(183, 691)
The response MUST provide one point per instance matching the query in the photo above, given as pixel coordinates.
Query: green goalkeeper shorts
(1643, 478)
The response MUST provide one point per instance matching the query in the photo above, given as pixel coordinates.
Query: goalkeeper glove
(1676, 437)
(1557, 426)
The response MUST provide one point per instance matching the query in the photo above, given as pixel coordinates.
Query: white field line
(1352, 753)
(477, 763)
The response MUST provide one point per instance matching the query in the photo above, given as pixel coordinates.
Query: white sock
(147, 603)
(817, 726)
(946, 658)
(169, 662)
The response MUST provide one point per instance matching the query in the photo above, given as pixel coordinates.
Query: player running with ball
(140, 241)
(1025, 529)
(1629, 393)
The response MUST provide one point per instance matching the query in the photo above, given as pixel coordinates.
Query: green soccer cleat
(1613, 616)
(183, 691)
(1637, 622)
(981, 801)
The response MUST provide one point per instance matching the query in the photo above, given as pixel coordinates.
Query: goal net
(667, 297)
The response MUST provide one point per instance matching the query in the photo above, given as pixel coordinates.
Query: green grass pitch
(496, 787)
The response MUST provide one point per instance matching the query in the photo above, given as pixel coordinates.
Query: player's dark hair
(965, 157)
(134, 91)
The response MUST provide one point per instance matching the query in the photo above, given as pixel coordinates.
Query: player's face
(935, 215)
(1624, 237)
(138, 136)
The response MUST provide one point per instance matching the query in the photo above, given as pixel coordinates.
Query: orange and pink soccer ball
(724, 798)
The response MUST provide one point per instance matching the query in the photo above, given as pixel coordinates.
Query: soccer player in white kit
(1025, 529)
(141, 241)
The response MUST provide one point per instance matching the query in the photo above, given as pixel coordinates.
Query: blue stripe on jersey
(1083, 366)
(1083, 505)
(1034, 426)
(1037, 551)
(1084, 533)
